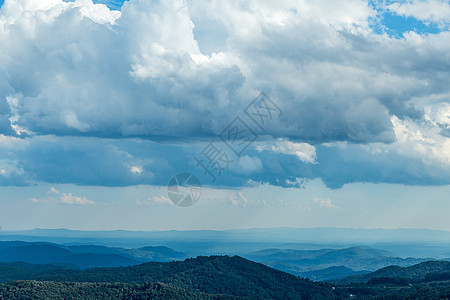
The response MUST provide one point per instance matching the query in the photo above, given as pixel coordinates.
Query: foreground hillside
(26, 290)
(233, 276)
(217, 277)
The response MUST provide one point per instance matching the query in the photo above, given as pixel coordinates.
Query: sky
(289, 113)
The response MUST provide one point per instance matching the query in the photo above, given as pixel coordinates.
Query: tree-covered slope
(413, 273)
(234, 276)
(27, 290)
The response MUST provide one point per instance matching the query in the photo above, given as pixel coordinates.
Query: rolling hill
(83, 256)
(27, 290)
(45, 253)
(317, 264)
(143, 254)
(415, 273)
(232, 276)
(331, 273)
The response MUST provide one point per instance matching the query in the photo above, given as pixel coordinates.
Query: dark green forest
(232, 276)
(427, 280)
(217, 277)
(82, 290)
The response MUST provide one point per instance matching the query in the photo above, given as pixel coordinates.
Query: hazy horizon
(222, 229)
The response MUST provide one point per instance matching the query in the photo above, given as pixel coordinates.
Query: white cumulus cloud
(304, 152)
(436, 11)
(78, 81)
(324, 202)
(74, 200)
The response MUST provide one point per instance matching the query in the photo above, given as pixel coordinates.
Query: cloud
(136, 170)
(71, 120)
(247, 165)
(74, 200)
(304, 152)
(157, 86)
(94, 96)
(324, 203)
(9, 168)
(435, 11)
(34, 200)
(163, 86)
(56, 196)
(162, 200)
(419, 156)
(156, 200)
(238, 199)
(53, 191)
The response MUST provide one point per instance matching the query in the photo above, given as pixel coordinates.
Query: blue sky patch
(112, 4)
(395, 25)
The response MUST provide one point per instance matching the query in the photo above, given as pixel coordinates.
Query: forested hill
(425, 271)
(224, 275)
(217, 277)
(28, 290)
(427, 280)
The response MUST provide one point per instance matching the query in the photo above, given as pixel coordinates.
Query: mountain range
(318, 265)
(403, 242)
(43, 270)
(328, 264)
